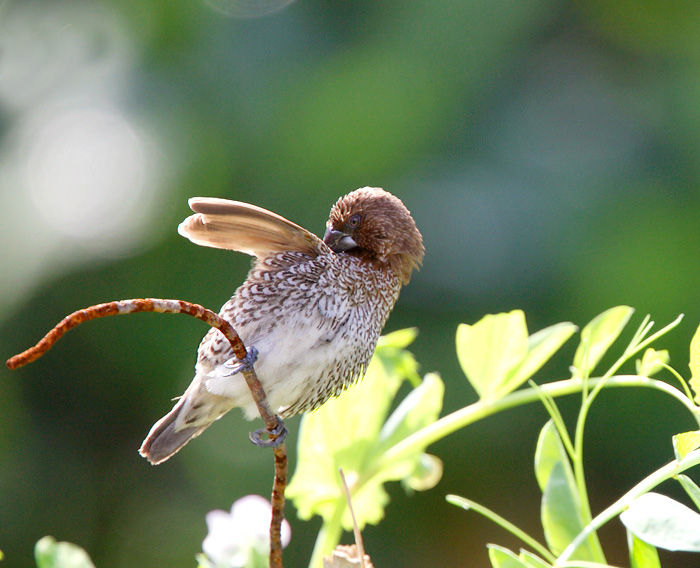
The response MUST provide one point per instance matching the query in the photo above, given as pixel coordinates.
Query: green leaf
(540, 348)
(503, 558)
(51, 554)
(561, 508)
(695, 365)
(560, 514)
(597, 337)
(685, 443)
(642, 555)
(352, 432)
(497, 356)
(399, 339)
(550, 451)
(392, 355)
(652, 362)
(664, 523)
(533, 561)
(419, 409)
(691, 488)
(490, 349)
(337, 435)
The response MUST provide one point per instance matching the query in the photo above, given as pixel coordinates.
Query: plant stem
(680, 379)
(273, 423)
(580, 476)
(668, 471)
(329, 535)
(507, 525)
(485, 408)
(637, 343)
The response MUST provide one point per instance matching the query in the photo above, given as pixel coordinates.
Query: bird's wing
(221, 223)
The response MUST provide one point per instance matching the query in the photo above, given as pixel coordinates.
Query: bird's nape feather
(221, 223)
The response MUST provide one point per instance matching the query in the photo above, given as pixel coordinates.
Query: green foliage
(685, 443)
(642, 555)
(575, 193)
(652, 520)
(52, 554)
(354, 432)
(497, 356)
(652, 362)
(466, 504)
(532, 561)
(504, 558)
(372, 444)
(662, 522)
(597, 337)
(695, 365)
(691, 489)
(562, 515)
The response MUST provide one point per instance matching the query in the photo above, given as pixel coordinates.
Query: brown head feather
(385, 231)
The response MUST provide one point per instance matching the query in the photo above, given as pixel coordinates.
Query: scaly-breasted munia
(313, 309)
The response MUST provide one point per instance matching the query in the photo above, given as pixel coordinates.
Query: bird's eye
(354, 221)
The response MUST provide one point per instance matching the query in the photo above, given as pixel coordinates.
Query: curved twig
(272, 422)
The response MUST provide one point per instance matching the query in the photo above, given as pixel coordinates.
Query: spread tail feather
(165, 439)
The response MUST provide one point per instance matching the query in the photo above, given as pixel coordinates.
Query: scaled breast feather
(221, 223)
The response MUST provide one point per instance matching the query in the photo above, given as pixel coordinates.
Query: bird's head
(374, 225)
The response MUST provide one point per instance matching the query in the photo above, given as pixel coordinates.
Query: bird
(310, 310)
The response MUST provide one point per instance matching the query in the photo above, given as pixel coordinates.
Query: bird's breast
(315, 325)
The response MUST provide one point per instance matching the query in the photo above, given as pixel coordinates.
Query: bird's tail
(166, 439)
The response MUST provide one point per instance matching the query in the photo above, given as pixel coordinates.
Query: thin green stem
(668, 471)
(658, 334)
(329, 535)
(553, 410)
(485, 408)
(680, 379)
(331, 531)
(507, 525)
(635, 346)
(580, 476)
(642, 330)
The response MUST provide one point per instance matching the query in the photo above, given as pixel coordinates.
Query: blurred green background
(550, 154)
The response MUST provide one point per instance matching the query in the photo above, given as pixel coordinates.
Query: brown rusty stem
(278, 487)
(272, 422)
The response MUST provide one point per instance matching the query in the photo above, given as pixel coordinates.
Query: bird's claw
(242, 365)
(275, 437)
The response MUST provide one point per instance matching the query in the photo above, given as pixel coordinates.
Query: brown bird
(310, 309)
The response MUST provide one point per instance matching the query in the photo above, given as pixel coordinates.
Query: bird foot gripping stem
(264, 437)
(275, 437)
(235, 365)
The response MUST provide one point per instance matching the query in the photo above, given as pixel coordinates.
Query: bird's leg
(275, 437)
(236, 365)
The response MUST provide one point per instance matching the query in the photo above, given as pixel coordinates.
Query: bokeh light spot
(86, 171)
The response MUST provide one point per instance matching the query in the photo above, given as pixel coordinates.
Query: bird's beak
(338, 241)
